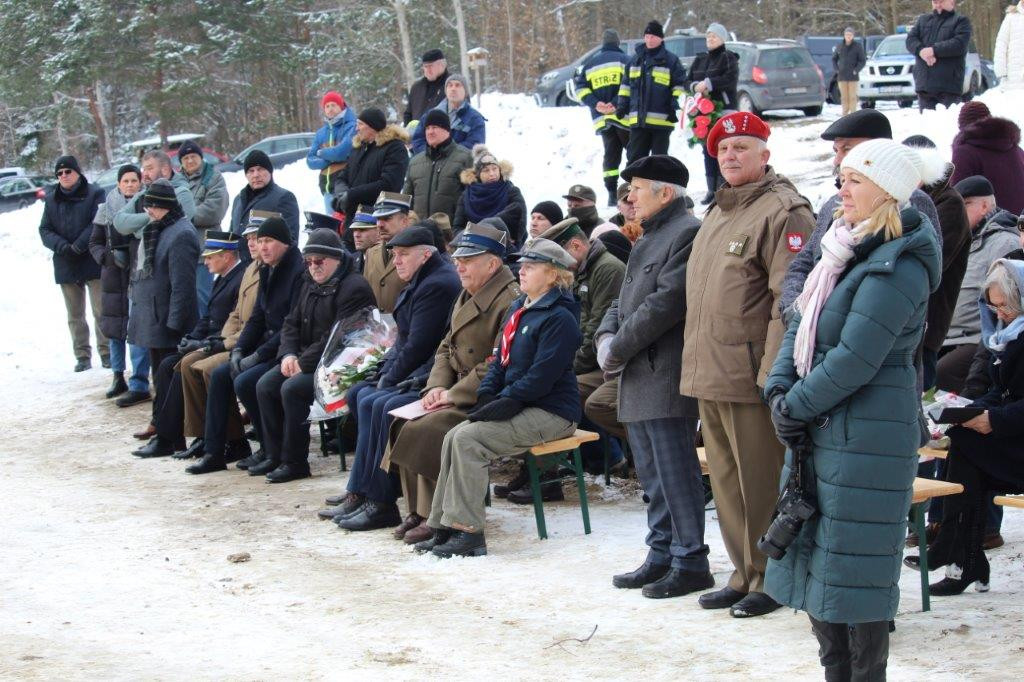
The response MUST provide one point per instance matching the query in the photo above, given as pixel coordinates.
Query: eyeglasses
(64, 171)
(996, 308)
(311, 262)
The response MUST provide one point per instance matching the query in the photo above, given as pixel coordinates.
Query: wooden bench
(549, 456)
(1010, 501)
(934, 453)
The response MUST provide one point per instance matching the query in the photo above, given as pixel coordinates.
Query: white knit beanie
(896, 168)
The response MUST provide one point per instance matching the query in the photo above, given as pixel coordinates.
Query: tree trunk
(95, 95)
(460, 29)
(403, 33)
(58, 124)
(511, 48)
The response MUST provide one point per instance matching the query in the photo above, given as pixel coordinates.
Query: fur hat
(896, 168)
(482, 157)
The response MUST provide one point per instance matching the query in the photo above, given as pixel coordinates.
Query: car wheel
(22, 203)
(744, 102)
(975, 84)
(834, 97)
(563, 101)
(867, 104)
(812, 111)
(906, 103)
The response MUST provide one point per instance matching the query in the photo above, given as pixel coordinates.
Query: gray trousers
(668, 469)
(74, 302)
(468, 449)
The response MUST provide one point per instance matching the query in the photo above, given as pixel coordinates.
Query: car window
(15, 186)
(893, 46)
(785, 58)
(821, 46)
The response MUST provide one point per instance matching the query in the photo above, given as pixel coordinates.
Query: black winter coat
(949, 33)
(421, 314)
(113, 280)
(318, 307)
(273, 197)
(424, 95)
(722, 68)
(848, 60)
(374, 167)
(223, 297)
(278, 290)
(66, 228)
(956, 247)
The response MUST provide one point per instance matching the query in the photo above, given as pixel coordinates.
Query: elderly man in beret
(449, 392)
(640, 340)
(757, 224)
(421, 315)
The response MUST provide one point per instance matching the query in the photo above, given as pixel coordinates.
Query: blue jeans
(139, 380)
(204, 284)
(328, 204)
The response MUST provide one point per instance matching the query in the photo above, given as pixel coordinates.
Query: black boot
(461, 543)
(288, 472)
(440, 537)
(613, 200)
(83, 365)
(264, 467)
(196, 449)
(678, 582)
(157, 447)
(237, 450)
(119, 385)
(549, 492)
(373, 516)
(720, 599)
(208, 464)
(646, 574)
(752, 605)
(130, 398)
(251, 461)
(973, 566)
(521, 479)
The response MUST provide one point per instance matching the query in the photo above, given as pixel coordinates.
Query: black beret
(658, 168)
(861, 123)
(432, 56)
(413, 236)
(975, 186)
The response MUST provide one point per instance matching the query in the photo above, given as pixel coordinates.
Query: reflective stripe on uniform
(611, 173)
(677, 92)
(624, 90)
(583, 92)
(603, 120)
(661, 75)
(605, 75)
(634, 72)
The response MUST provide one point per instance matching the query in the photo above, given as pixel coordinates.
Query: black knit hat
(128, 168)
(160, 195)
(610, 37)
(373, 117)
(323, 242)
(550, 210)
(432, 56)
(658, 168)
(189, 147)
(975, 186)
(655, 29)
(275, 228)
(617, 244)
(67, 161)
(258, 157)
(868, 123)
(436, 117)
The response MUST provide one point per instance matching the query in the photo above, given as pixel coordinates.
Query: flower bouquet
(701, 114)
(354, 350)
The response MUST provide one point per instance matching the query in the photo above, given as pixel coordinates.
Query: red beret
(735, 125)
(332, 96)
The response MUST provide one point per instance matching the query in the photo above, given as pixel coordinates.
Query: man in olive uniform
(489, 288)
(750, 235)
(364, 235)
(392, 215)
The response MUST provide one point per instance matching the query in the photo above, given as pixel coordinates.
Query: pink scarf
(836, 252)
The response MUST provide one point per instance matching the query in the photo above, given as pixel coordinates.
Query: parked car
(140, 147)
(889, 74)
(555, 88)
(11, 171)
(778, 74)
(822, 48)
(282, 150)
(989, 79)
(19, 191)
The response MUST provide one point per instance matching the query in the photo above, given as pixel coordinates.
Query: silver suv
(889, 74)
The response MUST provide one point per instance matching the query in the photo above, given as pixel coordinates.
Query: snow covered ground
(116, 568)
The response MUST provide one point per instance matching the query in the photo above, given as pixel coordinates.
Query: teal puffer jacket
(861, 401)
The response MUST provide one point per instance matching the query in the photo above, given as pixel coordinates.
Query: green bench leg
(581, 487)
(918, 513)
(538, 504)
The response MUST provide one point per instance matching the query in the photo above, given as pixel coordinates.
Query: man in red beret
(755, 226)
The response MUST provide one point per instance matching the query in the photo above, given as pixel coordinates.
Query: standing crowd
(795, 345)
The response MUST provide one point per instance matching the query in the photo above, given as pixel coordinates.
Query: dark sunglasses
(314, 261)
(64, 171)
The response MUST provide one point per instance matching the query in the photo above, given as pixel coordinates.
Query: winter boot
(118, 387)
(461, 543)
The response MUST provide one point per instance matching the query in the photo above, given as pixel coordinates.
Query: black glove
(63, 250)
(791, 432)
(235, 361)
(120, 258)
(497, 410)
(340, 201)
(214, 345)
(412, 384)
(77, 250)
(383, 382)
(248, 362)
(187, 345)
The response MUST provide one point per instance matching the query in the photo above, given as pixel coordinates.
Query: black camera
(795, 506)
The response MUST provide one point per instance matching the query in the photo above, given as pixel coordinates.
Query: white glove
(604, 353)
